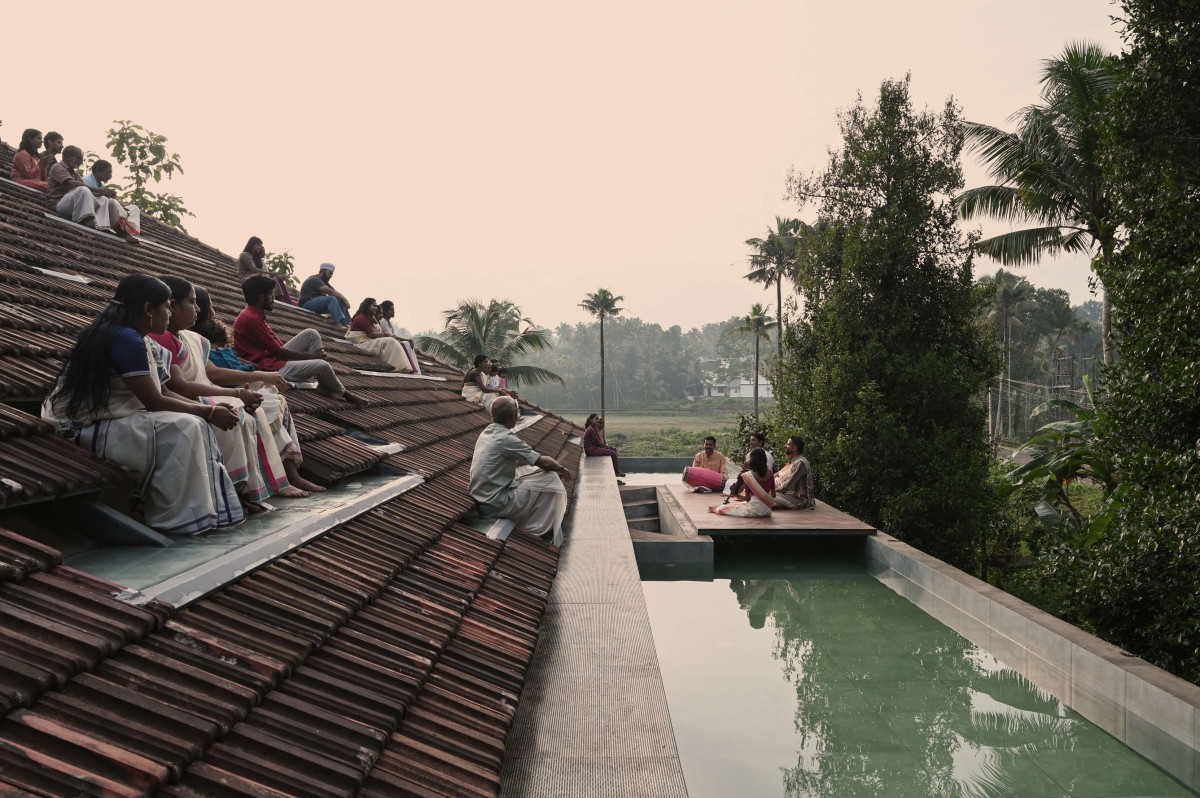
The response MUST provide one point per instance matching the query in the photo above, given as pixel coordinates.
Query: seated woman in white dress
(223, 367)
(759, 485)
(111, 399)
(366, 334)
(387, 312)
(475, 388)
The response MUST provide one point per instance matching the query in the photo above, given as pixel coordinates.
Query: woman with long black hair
(759, 485)
(111, 398)
(251, 264)
(366, 334)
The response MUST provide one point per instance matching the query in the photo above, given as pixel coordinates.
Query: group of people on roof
(85, 200)
(156, 384)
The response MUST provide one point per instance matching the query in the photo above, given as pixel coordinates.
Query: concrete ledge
(593, 717)
(1148, 709)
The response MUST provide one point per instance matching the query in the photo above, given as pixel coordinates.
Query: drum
(703, 478)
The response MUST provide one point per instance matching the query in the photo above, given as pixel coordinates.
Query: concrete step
(641, 509)
(637, 493)
(648, 524)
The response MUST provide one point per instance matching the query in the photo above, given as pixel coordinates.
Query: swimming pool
(803, 676)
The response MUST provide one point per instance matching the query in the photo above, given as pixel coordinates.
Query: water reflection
(888, 701)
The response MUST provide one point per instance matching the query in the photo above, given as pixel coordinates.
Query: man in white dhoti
(532, 496)
(69, 197)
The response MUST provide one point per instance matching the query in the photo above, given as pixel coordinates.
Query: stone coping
(593, 717)
(1151, 711)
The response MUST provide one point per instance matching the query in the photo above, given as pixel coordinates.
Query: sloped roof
(385, 657)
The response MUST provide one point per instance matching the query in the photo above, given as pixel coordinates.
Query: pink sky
(529, 151)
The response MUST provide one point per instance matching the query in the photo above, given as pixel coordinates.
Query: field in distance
(675, 434)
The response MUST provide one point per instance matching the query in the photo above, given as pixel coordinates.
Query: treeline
(645, 364)
(890, 368)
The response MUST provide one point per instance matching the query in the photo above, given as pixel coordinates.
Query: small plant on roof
(144, 154)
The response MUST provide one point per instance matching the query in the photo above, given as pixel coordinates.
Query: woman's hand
(222, 416)
(271, 379)
(249, 398)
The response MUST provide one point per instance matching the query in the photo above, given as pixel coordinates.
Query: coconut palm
(1048, 170)
(602, 304)
(497, 330)
(774, 259)
(757, 322)
(1009, 294)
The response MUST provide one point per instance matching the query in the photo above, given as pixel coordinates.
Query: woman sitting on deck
(759, 484)
(366, 334)
(224, 367)
(110, 398)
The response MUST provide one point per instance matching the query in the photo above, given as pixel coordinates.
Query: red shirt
(254, 340)
(362, 323)
(27, 170)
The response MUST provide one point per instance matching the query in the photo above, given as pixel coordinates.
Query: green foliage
(1140, 584)
(667, 442)
(602, 304)
(884, 374)
(756, 323)
(283, 264)
(144, 155)
(497, 330)
(1064, 453)
(747, 425)
(773, 259)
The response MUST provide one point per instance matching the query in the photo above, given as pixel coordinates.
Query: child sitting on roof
(226, 368)
(111, 398)
(366, 334)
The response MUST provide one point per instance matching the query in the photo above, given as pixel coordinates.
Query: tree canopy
(497, 330)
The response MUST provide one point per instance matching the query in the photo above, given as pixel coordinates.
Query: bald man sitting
(536, 501)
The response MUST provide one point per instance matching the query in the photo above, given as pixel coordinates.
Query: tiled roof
(385, 657)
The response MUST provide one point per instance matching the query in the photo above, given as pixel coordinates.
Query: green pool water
(807, 677)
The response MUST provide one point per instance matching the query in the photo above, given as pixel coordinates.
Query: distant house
(735, 388)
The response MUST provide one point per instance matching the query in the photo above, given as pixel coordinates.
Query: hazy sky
(532, 151)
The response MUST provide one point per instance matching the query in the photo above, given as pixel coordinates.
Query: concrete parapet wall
(1151, 711)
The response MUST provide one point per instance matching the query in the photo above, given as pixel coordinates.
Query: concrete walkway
(593, 718)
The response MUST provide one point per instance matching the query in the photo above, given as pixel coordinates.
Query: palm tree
(1009, 293)
(497, 330)
(758, 322)
(774, 258)
(1049, 171)
(602, 304)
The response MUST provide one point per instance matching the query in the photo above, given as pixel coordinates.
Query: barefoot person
(535, 502)
(594, 444)
(110, 398)
(794, 482)
(759, 485)
(224, 367)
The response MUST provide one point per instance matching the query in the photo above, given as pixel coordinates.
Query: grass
(667, 434)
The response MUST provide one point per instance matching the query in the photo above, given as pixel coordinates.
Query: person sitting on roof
(535, 500)
(594, 444)
(110, 398)
(26, 164)
(759, 489)
(317, 295)
(366, 334)
(387, 312)
(129, 217)
(250, 263)
(794, 482)
(300, 360)
(224, 367)
(69, 197)
(475, 388)
(53, 143)
(251, 457)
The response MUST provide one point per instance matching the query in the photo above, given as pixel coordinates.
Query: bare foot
(292, 492)
(303, 484)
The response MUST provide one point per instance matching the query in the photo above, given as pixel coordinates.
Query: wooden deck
(824, 520)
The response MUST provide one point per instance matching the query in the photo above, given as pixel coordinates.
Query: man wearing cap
(317, 295)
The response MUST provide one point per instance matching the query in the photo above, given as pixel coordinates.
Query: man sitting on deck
(299, 360)
(710, 458)
(535, 502)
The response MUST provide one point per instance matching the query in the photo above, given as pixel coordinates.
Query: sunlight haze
(533, 151)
